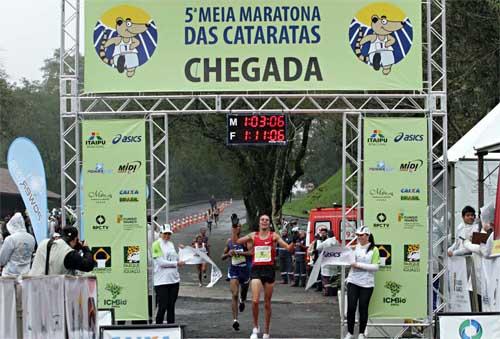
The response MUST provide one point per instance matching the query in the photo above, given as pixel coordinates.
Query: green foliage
(326, 195)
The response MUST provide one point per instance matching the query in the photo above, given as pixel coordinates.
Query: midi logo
(470, 329)
(126, 139)
(411, 166)
(402, 137)
(377, 138)
(394, 288)
(95, 141)
(129, 167)
(115, 290)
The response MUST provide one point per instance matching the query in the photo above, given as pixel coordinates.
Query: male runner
(239, 271)
(264, 255)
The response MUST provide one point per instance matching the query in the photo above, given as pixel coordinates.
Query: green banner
(395, 200)
(114, 213)
(237, 45)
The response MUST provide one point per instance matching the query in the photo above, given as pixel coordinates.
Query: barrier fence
(181, 223)
(55, 307)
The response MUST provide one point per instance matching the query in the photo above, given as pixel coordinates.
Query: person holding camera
(62, 256)
(239, 270)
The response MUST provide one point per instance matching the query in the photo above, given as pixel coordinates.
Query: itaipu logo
(377, 137)
(470, 329)
(381, 35)
(125, 38)
(95, 140)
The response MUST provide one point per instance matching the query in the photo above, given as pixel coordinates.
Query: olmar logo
(470, 329)
(377, 137)
(408, 137)
(381, 35)
(95, 141)
(380, 194)
(125, 38)
(394, 289)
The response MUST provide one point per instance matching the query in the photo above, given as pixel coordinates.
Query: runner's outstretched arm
(242, 240)
(282, 243)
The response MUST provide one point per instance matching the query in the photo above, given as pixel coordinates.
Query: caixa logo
(409, 137)
(126, 139)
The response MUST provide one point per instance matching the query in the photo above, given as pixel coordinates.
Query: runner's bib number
(238, 260)
(262, 254)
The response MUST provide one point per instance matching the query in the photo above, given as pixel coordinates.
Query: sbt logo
(126, 138)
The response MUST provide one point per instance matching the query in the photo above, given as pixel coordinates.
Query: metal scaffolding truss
(430, 102)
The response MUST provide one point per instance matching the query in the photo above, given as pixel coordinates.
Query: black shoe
(376, 61)
(241, 306)
(236, 325)
(120, 65)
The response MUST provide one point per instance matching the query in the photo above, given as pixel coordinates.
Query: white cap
(166, 228)
(295, 229)
(363, 230)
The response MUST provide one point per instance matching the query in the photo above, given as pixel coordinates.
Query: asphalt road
(206, 312)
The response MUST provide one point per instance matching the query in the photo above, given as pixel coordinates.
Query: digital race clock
(256, 129)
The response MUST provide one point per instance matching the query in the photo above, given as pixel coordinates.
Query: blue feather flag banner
(26, 169)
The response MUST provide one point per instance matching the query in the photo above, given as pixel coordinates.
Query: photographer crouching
(62, 256)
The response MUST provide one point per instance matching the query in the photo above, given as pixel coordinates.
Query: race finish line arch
(332, 64)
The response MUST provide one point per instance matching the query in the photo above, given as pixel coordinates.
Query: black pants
(356, 293)
(166, 296)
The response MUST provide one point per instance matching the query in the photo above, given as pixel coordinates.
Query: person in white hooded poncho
(17, 249)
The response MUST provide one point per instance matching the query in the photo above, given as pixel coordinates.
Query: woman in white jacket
(361, 281)
(166, 275)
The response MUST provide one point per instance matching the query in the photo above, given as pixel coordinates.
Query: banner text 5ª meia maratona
(150, 45)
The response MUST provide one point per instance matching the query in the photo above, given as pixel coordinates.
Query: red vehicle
(331, 217)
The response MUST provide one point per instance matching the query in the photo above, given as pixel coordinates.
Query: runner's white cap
(363, 230)
(166, 228)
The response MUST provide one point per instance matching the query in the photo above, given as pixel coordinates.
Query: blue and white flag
(26, 169)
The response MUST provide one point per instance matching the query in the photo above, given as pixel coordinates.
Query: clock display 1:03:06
(264, 128)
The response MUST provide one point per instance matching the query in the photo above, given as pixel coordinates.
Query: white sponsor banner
(458, 291)
(491, 287)
(471, 326)
(190, 256)
(337, 255)
(81, 307)
(145, 332)
(43, 307)
(334, 255)
(8, 325)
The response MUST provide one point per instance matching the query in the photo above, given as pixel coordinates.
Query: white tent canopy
(484, 134)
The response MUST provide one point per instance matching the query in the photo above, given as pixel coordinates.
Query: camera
(235, 221)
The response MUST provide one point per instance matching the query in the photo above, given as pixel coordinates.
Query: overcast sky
(30, 34)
